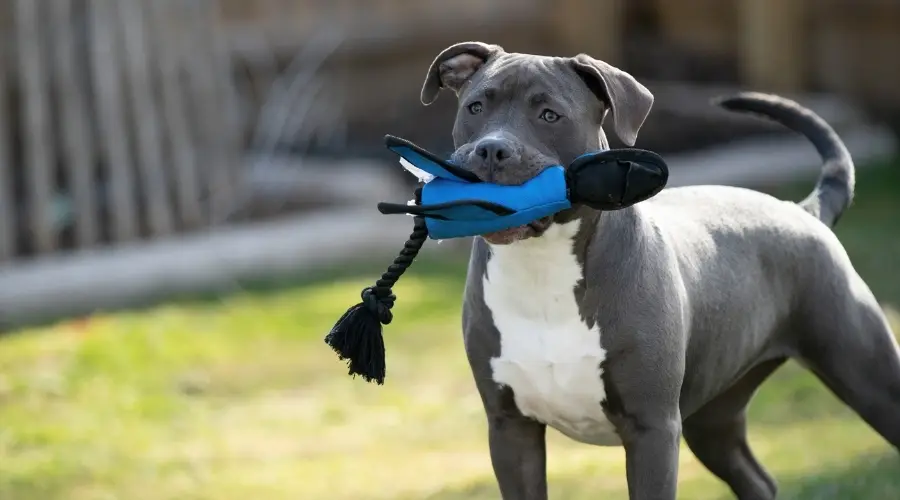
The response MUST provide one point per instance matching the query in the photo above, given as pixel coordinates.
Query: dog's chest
(549, 356)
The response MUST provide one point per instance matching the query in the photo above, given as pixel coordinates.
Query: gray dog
(638, 326)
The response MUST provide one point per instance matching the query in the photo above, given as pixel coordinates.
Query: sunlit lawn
(239, 398)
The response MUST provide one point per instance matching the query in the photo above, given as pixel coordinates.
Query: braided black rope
(357, 336)
(379, 299)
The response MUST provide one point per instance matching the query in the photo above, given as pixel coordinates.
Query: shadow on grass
(794, 394)
(868, 478)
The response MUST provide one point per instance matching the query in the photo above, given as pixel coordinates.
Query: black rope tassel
(357, 336)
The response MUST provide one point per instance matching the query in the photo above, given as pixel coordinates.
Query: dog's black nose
(493, 151)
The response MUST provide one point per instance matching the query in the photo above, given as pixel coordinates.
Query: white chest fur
(549, 357)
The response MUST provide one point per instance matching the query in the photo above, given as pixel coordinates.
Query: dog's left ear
(629, 101)
(454, 66)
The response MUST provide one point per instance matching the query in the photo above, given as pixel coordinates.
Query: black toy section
(616, 179)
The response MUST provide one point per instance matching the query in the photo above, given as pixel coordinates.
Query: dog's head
(520, 113)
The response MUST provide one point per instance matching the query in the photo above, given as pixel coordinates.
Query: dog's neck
(558, 238)
(576, 225)
(581, 233)
(536, 277)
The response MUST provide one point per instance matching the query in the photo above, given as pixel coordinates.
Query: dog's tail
(834, 189)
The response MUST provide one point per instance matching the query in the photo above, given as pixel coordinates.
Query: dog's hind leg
(717, 435)
(849, 345)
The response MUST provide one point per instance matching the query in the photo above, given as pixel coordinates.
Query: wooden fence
(116, 123)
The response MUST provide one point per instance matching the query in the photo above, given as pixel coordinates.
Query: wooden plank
(78, 141)
(163, 16)
(8, 212)
(229, 137)
(772, 45)
(144, 117)
(209, 117)
(115, 149)
(37, 133)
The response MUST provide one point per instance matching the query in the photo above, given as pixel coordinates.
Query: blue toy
(455, 203)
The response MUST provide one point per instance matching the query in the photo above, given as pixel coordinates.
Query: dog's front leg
(519, 457)
(651, 459)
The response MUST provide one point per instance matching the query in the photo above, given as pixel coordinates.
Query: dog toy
(455, 203)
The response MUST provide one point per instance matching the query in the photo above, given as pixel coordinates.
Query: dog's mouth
(533, 229)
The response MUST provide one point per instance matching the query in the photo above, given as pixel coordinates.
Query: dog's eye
(549, 116)
(475, 108)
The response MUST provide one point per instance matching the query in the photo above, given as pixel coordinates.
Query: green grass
(239, 398)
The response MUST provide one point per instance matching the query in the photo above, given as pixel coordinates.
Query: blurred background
(187, 204)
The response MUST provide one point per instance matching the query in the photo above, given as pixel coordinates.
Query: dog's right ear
(454, 66)
(628, 99)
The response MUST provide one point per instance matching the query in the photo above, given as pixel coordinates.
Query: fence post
(177, 128)
(78, 144)
(115, 148)
(145, 120)
(212, 117)
(40, 160)
(8, 209)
